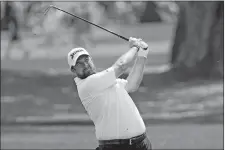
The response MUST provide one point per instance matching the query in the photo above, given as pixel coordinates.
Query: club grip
(144, 45)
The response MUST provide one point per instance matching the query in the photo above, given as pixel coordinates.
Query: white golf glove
(143, 51)
(134, 42)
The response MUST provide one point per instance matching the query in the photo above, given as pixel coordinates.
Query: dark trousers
(142, 145)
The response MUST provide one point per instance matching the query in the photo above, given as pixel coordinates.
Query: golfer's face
(84, 67)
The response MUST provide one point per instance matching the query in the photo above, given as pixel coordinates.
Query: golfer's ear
(72, 69)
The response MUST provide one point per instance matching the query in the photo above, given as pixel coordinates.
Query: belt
(130, 141)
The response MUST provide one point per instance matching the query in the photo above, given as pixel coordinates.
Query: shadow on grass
(162, 96)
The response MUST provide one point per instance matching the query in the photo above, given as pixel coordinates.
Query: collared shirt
(109, 106)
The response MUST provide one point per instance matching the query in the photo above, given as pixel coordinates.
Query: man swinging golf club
(118, 123)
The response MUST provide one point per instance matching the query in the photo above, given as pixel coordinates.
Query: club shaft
(122, 37)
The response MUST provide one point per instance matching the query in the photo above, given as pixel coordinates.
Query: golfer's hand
(143, 53)
(134, 42)
(143, 45)
(137, 43)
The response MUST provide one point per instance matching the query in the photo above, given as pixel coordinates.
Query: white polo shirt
(109, 106)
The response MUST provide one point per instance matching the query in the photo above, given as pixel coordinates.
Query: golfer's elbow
(133, 88)
(136, 87)
(136, 84)
(120, 67)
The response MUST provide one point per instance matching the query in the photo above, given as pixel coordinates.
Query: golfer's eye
(78, 64)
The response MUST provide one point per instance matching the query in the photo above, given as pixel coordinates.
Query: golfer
(118, 123)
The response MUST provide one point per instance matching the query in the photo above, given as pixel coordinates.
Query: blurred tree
(109, 8)
(28, 11)
(198, 47)
(150, 14)
(167, 10)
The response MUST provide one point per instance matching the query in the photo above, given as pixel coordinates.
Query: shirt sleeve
(102, 80)
(122, 82)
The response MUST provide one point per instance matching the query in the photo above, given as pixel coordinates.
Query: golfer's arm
(135, 77)
(122, 64)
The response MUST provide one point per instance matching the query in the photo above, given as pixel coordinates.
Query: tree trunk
(150, 14)
(198, 43)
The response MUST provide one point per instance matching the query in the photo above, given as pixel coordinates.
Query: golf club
(143, 45)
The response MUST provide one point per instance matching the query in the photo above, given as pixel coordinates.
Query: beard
(86, 73)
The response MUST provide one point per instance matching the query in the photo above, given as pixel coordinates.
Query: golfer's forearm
(128, 57)
(135, 77)
(123, 62)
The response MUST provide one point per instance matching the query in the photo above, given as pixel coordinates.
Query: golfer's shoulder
(90, 82)
(84, 88)
(89, 87)
(104, 74)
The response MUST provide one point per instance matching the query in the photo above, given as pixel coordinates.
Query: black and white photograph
(112, 75)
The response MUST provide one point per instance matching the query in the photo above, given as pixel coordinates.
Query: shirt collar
(77, 80)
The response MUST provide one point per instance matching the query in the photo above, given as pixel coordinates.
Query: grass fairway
(47, 95)
(27, 93)
(162, 137)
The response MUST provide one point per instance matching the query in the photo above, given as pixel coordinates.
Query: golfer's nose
(86, 64)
